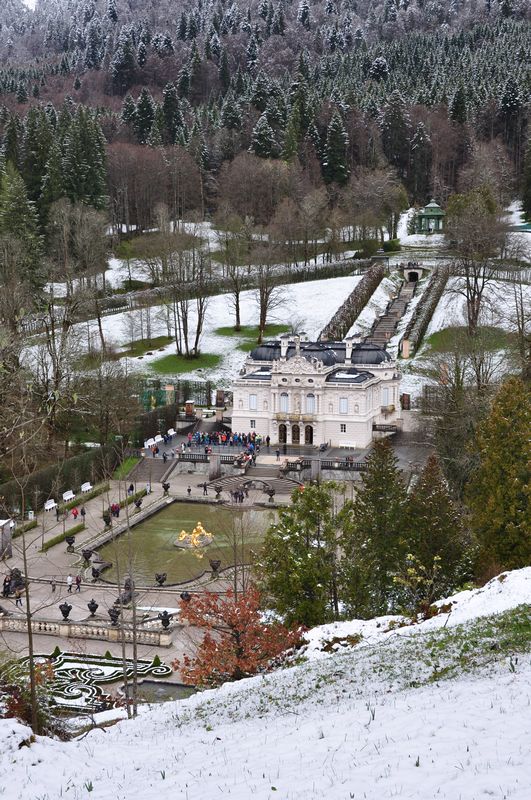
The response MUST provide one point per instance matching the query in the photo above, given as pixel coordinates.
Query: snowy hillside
(443, 714)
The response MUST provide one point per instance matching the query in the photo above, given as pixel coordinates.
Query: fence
(76, 630)
(352, 466)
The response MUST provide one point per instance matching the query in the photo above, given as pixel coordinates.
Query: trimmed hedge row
(423, 313)
(25, 528)
(347, 314)
(62, 536)
(84, 498)
(55, 479)
(131, 498)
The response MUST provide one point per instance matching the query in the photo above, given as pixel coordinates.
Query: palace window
(284, 402)
(253, 424)
(252, 402)
(310, 404)
(343, 405)
(343, 428)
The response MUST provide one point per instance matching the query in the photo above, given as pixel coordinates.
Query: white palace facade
(301, 392)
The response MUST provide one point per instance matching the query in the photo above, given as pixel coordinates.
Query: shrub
(392, 246)
(131, 498)
(368, 248)
(243, 644)
(29, 526)
(62, 536)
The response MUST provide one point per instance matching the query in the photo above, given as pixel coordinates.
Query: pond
(239, 532)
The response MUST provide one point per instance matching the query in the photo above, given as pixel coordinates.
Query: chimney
(284, 341)
(297, 340)
(348, 349)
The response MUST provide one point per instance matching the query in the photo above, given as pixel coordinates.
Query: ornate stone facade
(300, 392)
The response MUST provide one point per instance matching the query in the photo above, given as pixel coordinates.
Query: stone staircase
(385, 326)
(152, 469)
(255, 479)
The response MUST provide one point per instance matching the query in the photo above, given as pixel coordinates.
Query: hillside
(440, 709)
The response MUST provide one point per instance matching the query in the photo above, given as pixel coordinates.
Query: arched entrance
(282, 434)
(412, 277)
(295, 434)
(308, 434)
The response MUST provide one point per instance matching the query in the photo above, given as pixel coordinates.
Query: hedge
(24, 528)
(347, 314)
(131, 498)
(62, 536)
(84, 498)
(423, 313)
(52, 481)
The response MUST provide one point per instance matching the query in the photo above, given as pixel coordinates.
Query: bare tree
(269, 295)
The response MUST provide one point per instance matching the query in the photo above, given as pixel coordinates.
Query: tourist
(183, 447)
(57, 513)
(83, 514)
(75, 513)
(165, 456)
(131, 490)
(69, 582)
(18, 596)
(6, 587)
(189, 491)
(138, 504)
(78, 583)
(205, 489)
(278, 454)
(53, 585)
(148, 487)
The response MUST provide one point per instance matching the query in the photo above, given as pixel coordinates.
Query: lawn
(134, 349)
(121, 472)
(449, 339)
(251, 331)
(174, 365)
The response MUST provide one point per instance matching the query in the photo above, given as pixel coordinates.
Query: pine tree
(457, 109)
(112, 13)
(84, 175)
(292, 135)
(95, 49)
(171, 110)
(498, 494)
(38, 138)
(526, 190)
(145, 114)
(434, 536)
(420, 164)
(52, 182)
(231, 112)
(263, 141)
(303, 14)
(224, 71)
(12, 143)
(123, 65)
(395, 130)
(19, 220)
(335, 164)
(298, 564)
(372, 539)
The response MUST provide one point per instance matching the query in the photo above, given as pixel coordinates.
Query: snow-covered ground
(309, 305)
(430, 241)
(376, 305)
(369, 722)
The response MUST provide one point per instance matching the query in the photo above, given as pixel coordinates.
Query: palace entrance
(308, 434)
(282, 434)
(295, 434)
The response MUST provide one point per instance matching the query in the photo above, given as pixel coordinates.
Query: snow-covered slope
(372, 722)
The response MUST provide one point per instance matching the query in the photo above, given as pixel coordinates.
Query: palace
(301, 392)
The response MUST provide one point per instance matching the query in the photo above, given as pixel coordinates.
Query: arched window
(284, 402)
(310, 404)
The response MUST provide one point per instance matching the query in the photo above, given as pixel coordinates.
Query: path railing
(86, 630)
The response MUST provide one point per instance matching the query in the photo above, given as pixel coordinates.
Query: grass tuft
(174, 365)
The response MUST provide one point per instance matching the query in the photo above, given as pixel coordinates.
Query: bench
(86, 487)
(158, 438)
(50, 505)
(171, 432)
(69, 495)
(149, 443)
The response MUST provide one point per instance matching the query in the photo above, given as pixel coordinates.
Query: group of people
(70, 582)
(17, 590)
(76, 512)
(238, 495)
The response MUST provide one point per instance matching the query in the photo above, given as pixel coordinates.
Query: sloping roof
(328, 353)
(433, 209)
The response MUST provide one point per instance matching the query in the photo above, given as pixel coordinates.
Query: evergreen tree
(420, 164)
(52, 182)
(457, 109)
(335, 164)
(123, 65)
(499, 492)
(112, 13)
(231, 112)
(94, 49)
(38, 137)
(84, 175)
(263, 141)
(172, 113)
(292, 135)
(372, 540)
(298, 564)
(224, 71)
(434, 537)
(12, 142)
(303, 14)
(526, 190)
(395, 130)
(19, 220)
(145, 114)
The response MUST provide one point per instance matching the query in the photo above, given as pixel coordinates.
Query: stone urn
(86, 555)
(92, 607)
(114, 614)
(95, 573)
(215, 564)
(218, 489)
(186, 596)
(70, 542)
(271, 494)
(165, 619)
(160, 577)
(65, 609)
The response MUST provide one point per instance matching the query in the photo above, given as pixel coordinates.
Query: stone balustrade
(81, 630)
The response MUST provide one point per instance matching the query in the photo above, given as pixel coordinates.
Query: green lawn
(133, 350)
(251, 332)
(448, 339)
(125, 468)
(173, 364)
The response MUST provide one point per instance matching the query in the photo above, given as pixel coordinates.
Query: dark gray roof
(329, 353)
(348, 375)
(261, 375)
